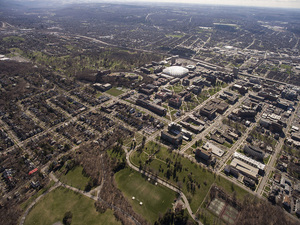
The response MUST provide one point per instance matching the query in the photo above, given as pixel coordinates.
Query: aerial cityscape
(149, 113)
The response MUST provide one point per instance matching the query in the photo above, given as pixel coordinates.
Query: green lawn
(74, 178)
(54, 205)
(228, 145)
(200, 176)
(266, 160)
(114, 92)
(98, 94)
(164, 160)
(178, 88)
(230, 187)
(156, 199)
(25, 204)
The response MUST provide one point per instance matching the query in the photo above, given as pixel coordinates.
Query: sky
(258, 3)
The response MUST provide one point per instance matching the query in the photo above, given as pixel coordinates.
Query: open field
(195, 181)
(54, 205)
(114, 92)
(75, 178)
(25, 204)
(230, 187)
(190, 175)
(156, 199)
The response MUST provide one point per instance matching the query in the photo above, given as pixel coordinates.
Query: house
(277, 178)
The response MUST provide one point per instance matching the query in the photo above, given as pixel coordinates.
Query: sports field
(155, 199)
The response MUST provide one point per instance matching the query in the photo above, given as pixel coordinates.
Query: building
(203, 154)
(254, 152)
(249, 161)
(102, 87)
(209, 111)
(152, 107)
(175, 101)
(245, 169)
(161, 95)
(231, 170)
(241, 89)
(174, 81)
(214, 149)
(171, 137)
(175, 71)
(220, 105)
(249, 182)
(192, 128)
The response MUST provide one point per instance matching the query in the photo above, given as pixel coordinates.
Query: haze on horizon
(253, 3)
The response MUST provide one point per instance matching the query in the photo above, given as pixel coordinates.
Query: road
(270, 167)
(215, 123)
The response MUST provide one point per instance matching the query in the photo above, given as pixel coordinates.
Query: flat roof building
(214, 149)
(248, 160)
(245, 168)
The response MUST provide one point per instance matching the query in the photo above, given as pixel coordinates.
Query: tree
(67, 218)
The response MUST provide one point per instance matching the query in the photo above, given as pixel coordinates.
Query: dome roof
(176, 71)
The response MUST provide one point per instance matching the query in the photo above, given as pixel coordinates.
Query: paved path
(35, 201)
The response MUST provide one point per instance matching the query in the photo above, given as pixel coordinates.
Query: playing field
(223, 210)
(156, 199)
(55, 204)
(75, 178)
(115, 91)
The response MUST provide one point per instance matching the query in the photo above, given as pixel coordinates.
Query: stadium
(176, 71)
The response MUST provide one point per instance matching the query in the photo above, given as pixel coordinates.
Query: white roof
(244, 167)
(214, 149)
(249, 160)
(176, 71)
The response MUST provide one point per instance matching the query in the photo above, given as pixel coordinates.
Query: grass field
(54, 205)
(156, 199)
(164, 160)
(114, 92)
(25, 204)
(74, 178)
(158, 165)
(230, 187)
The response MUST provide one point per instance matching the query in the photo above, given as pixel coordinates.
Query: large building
(245, 169)
(152, 107)
(254, 152)
(176, 71)
(175, 139)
